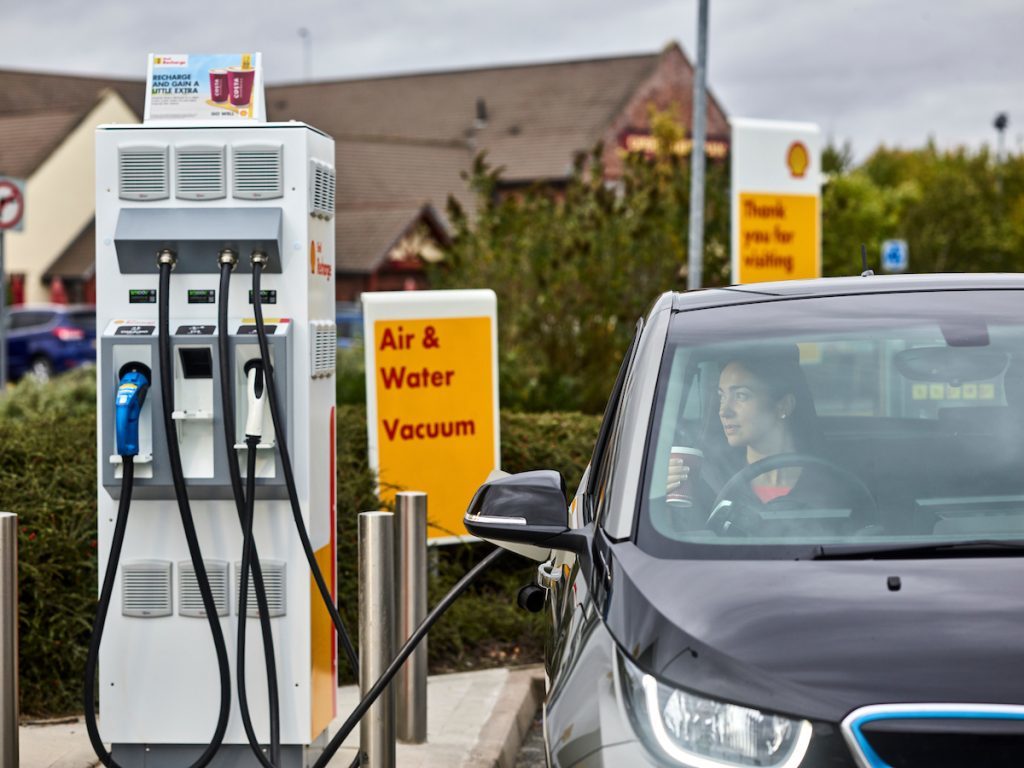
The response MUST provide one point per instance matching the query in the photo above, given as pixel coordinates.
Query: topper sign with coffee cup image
(205, 87)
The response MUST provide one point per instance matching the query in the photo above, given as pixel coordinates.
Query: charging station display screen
(266, 297)
(202, 296)
(142, 296)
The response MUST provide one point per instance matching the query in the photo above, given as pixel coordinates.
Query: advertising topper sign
(432, 398)
(776, 200)
(219, 86)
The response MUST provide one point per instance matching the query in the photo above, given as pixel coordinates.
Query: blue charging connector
(133, 384)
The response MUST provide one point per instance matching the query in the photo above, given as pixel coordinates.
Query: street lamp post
(307, 53)
(695, 257)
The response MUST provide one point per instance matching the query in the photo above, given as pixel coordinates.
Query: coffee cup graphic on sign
(683, 469)
(240, 85)
(218, 85)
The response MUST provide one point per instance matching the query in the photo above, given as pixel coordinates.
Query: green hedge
(48, 477)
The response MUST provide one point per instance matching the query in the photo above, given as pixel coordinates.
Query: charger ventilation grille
(146, 588)
(321, 190)
(143, 172)
(257, 171)
(273, 580)
(323, 335)
(190, 599)
(200, 172)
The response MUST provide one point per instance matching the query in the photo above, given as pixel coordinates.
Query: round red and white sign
(12, 204)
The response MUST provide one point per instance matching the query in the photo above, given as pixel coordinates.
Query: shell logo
(797, 158)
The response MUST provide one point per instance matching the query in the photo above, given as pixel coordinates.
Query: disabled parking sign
(895, 256)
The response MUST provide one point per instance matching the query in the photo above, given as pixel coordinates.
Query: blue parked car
(349, 318)
(45, 340)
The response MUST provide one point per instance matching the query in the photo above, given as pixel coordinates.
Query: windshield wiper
(975, 548)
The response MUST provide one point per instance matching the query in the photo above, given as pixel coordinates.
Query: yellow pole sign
(432, 398)
(776, 201)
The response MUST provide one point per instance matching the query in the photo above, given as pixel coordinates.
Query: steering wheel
(721, 514)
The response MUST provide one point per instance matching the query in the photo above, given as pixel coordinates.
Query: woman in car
(765, 409)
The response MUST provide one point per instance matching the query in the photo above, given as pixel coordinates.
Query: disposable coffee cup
(219, 85)
(240, 85)
(692, 458)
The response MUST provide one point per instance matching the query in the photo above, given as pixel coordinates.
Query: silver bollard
(377, 634)
(8, 639)
(411, 578)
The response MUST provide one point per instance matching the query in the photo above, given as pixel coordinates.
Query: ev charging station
(186, 213)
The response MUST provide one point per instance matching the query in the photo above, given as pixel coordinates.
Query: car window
(30, 319)
(871, 418)
(84, 319)
(600, 462)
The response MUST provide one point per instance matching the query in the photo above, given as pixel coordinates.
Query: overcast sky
(867, 71)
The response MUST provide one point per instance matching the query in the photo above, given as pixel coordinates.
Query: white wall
(60, 198)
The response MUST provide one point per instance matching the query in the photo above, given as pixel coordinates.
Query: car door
(569, 587)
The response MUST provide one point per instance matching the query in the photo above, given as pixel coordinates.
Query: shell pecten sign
(432, 397)
(776, 201)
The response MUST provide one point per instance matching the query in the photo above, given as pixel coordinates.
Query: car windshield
(808, 425)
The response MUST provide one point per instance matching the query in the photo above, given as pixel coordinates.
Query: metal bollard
(8, 639)
(411, 578)
(377, 634)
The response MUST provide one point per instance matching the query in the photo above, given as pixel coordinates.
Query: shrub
(48, 477)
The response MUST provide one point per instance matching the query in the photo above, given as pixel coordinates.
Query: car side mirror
(526, 513)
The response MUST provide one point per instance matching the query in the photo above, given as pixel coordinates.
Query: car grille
(936, 736)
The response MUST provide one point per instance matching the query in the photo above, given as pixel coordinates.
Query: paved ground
(474, 720)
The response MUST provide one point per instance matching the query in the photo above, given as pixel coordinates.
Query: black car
(799, 540)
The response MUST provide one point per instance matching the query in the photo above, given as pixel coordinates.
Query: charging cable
(404, 653)
(166, 260)
(227, 261)
(253, 433)
(133, 384)
(259, 260)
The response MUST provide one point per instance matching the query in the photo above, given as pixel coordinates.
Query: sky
(869, 72)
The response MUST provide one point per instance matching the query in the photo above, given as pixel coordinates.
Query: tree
(575, 267)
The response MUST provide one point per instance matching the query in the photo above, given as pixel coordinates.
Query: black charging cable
(166, 261)
(258, 262)
(106, 591)
(248, 552)
(243, 504)
(404, 653)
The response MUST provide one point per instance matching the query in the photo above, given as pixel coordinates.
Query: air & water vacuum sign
(432, 397)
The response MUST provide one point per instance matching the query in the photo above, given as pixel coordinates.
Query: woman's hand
(678, 473)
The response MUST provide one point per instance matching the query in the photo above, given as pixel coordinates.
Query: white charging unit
(196, 190)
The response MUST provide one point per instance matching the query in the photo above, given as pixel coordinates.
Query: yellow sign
(435, 413)
(778, 237)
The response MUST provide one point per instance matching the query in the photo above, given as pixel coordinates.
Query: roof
(382, 173)
(27, 139)
(79, 258)
(840, 286)
(536, 116)
(364, 237)
(402, 142)
(22, 92)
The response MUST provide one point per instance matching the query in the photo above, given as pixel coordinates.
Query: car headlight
(698, 732)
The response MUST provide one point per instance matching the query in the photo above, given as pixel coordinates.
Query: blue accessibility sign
(895, 256)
